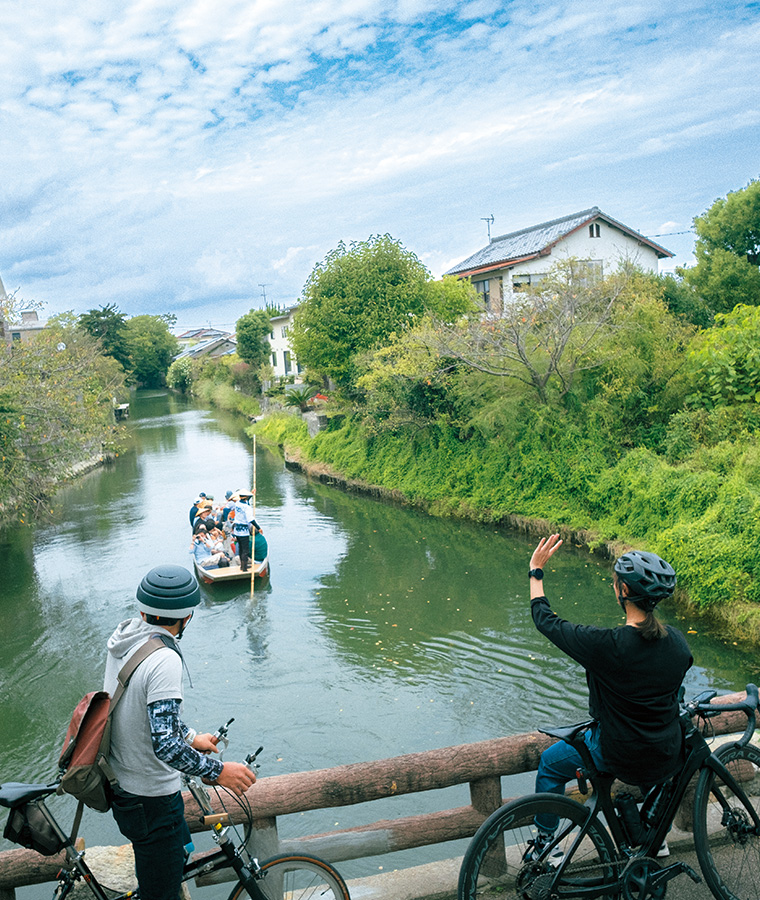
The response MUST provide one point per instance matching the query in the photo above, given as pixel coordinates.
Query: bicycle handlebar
(748, 706)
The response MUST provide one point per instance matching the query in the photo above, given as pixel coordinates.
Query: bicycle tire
(729, 851)
(494, 864)
(294, 877)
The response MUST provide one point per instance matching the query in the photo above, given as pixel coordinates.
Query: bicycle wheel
(498, 860)
(725, 837)
(290, 877)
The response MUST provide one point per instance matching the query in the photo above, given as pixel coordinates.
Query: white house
(283, 361)
(514, 260)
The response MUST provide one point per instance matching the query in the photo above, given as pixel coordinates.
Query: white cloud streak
(169, 156)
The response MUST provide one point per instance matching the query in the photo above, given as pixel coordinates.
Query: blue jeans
(558, 765)
(157, 829)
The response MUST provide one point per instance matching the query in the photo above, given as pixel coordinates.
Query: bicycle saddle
(567, 733)
(14, 793)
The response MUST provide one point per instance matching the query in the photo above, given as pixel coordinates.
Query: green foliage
(299, 397)
(725, 361)
(683, 301)
(252, 332)
(357, 296)
(56, 409)
(180, 375)
(108, 324)
(728, 250)
(151, 347)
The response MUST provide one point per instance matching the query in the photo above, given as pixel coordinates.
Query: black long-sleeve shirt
(633, 691)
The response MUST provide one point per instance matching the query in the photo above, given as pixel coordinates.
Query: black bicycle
(612, 848)
(283, 877)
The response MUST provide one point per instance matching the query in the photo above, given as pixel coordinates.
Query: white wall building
(512, 261)
(282, 357)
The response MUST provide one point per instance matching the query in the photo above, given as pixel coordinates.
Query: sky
(197, 157)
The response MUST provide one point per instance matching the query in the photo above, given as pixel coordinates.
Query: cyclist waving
(633, 672)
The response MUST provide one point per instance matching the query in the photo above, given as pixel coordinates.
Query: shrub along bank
(701, 511)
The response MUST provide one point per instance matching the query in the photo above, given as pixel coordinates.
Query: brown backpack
(84, 756)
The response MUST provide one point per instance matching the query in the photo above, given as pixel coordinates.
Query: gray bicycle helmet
(168, 591)
(649, 578)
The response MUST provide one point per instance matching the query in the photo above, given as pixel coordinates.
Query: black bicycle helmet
(168, 591)
(649, 578)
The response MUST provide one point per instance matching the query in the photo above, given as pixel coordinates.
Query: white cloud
(188, 148)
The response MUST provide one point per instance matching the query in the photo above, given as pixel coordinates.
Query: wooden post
(253, 535)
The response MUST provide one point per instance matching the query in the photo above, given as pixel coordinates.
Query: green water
(381, 632)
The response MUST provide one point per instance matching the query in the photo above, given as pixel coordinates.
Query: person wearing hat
(205, 552)
(194, 508)
(242, 526)
(150, 744)
(204, 513)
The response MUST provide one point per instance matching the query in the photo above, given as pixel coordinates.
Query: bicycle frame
(698, 756)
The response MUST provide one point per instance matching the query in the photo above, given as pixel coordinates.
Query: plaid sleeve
(166, 732)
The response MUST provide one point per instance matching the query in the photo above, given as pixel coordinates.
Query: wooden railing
(481, 765)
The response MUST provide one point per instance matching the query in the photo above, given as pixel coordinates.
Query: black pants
(157, 829)
(244, 549)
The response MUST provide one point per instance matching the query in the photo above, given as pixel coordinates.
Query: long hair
(651, 629)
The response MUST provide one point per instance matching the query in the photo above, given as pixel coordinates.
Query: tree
(252, 332)
(547, 334)
(151, 347)
(728, 251)
(56, 408)
(357, 296)
(107, 324)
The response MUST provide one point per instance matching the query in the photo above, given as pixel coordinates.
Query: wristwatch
(537, 574)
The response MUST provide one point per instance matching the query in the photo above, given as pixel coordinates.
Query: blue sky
(174, 157)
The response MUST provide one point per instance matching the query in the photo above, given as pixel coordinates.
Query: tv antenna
(264, 292)
(489, 220)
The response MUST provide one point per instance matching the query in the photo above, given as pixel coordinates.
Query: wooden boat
(231, 573)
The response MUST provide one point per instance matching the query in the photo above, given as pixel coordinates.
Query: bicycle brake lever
(250, 760)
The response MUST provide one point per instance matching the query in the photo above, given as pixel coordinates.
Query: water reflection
(381, 631)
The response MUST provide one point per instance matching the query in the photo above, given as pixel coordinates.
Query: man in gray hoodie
(150, 744)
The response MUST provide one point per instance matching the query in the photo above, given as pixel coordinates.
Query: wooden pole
(253, 535)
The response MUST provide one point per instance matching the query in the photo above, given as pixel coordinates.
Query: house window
(286, 360)
(16, 335)
(525, 279)
(593, 230)
(484, 290)
(589, 271)
(284, 331)
(274, 360)
(271, 335)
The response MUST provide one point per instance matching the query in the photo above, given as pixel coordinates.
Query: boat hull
(231, 573)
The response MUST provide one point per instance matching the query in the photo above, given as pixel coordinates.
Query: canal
(381, 632)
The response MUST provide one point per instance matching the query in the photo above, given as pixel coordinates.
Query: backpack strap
(127, 670)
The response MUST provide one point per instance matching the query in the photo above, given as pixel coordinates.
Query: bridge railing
(480, 765)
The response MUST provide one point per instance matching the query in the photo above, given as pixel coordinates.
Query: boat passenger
(194, 508)
(634, 674)
(227, 508)
(204, 555)
(203, 514)
(260, 547)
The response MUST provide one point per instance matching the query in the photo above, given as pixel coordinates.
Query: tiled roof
(529, 242)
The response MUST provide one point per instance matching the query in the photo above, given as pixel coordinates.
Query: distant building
(200, 335)
(212, 348)
(25, 330)
(283, 360)
(512, 261)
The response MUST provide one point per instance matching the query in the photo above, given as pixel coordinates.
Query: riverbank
(735, 621)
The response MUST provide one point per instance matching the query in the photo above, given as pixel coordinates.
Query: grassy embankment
(702, 514)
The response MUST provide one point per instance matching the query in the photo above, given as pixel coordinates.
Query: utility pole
(489, 220)
(264, 293)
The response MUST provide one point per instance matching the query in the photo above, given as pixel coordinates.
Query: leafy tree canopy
(107, 324)
(252, 333)
(728, 250)
(151, 347)
(357, 296)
